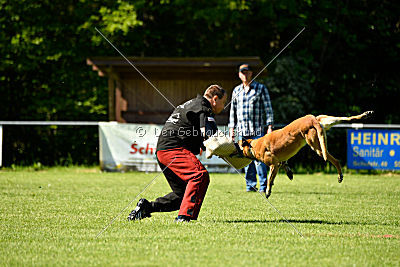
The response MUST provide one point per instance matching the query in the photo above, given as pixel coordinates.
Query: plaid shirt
(251, 112)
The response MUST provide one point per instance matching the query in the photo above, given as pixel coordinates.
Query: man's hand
(269, 129)
(232, 133)
(203, 132)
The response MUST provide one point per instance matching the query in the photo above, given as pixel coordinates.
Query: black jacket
(182, 129)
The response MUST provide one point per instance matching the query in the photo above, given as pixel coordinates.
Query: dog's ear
(248, 142)
(245, 146)
(245, 142)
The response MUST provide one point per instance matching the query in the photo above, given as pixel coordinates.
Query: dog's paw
(289, 174)
(340, 178)
(288, 171)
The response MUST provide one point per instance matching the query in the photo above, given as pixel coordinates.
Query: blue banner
(373, 149)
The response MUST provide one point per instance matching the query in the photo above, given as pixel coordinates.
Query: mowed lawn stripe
(51, 217)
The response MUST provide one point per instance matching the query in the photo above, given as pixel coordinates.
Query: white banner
(131, 146)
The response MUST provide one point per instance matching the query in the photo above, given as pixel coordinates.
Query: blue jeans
(255, 167)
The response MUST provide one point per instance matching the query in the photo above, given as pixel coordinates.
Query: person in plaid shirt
(252, 116)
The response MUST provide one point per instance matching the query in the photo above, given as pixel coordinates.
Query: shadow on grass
(306, 222)
(308, 193)
(321, 193)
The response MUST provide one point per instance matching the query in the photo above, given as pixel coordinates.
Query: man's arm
(232, 116)
(232, 133)
(268, 109)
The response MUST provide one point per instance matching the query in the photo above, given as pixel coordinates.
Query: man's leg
(171, 201)
(262, 171)
(202, 192)
(198, 180)
(250, 175)
(192, 173)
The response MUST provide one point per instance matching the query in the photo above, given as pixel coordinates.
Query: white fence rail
(96, 123)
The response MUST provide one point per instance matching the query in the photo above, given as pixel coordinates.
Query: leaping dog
(275, 148)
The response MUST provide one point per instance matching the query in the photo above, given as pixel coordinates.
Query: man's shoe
(142, 210)
(182, 218)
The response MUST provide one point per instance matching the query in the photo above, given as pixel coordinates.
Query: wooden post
(111, 99)
(120, 102)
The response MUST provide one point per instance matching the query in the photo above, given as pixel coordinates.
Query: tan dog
(275, 148)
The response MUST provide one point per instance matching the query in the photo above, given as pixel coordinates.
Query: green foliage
(344, 62)
(52, 217)
(289, 85)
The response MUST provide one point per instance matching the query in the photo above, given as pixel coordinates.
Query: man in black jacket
(180, 140)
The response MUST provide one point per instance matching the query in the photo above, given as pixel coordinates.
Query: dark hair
(213, 90)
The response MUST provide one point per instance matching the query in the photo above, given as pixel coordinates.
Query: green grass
(52, 217)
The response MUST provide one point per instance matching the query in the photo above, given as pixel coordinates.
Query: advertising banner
(128, 146)
(373, 149)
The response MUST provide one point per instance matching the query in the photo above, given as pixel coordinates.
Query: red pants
(188, 180)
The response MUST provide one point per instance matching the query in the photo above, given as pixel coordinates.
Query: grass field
(52, 217)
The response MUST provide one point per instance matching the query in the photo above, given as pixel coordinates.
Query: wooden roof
(107, 65)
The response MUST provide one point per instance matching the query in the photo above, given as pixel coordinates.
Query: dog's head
(245, 146)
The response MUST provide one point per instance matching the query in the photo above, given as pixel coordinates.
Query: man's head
(245, 73)
(217, 97)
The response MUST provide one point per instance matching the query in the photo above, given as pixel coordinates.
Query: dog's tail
(322, 139)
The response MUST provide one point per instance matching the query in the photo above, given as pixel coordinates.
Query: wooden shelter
(132, 99)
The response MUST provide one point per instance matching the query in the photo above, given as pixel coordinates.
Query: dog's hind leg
(273, 171)
(319, 132)
(322, 141)
(328, 121)
(313, 142)
(336, 163)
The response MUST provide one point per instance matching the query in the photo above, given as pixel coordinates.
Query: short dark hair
(213, 90)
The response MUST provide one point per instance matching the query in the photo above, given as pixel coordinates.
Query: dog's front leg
(288, 170)
(273, 170)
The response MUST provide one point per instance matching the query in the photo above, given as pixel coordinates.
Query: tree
(344, 62)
